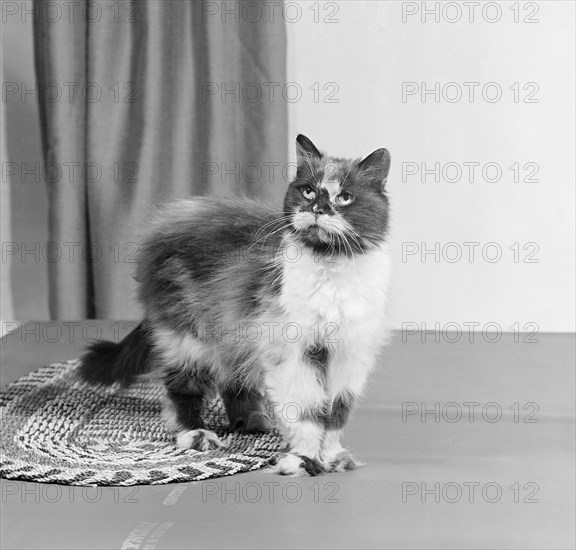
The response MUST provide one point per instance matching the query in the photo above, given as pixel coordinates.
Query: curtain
(6, 305)
(144, 102)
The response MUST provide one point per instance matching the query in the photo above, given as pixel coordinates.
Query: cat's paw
(291, 464)
(199, 440)
(342, 462)
(255, 422)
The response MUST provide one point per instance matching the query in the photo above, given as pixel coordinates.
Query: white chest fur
(342, 305)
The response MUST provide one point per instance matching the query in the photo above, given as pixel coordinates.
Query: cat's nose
(321, 206)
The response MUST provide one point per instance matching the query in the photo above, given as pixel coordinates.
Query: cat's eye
(307, 192)
(344, 198)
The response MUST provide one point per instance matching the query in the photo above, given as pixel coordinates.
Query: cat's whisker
(270, 234)
(351, 235)
(347, 244)
(280, 220)
(283, 224)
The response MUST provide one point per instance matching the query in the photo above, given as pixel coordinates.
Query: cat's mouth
(317, 233)
(314, 229)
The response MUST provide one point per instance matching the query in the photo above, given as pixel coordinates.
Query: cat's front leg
(334, 457)
(297, 395)
(303, 445)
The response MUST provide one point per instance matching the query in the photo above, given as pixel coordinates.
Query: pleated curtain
(144, 102)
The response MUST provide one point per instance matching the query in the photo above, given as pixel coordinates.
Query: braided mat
(56, 429)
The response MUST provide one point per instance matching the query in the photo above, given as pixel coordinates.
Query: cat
(266, 307)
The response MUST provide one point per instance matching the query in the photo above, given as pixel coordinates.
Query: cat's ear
(376, 166)
(306, 150)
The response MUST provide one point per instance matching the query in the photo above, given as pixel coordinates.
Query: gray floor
(425, 484)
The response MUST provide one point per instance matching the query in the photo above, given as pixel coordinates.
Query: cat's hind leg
(186, 365)
(246, 409)
(186, 390)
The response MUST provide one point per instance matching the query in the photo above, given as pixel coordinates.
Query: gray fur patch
(338, 415)
(318, 356)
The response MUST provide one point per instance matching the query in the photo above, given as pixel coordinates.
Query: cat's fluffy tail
(107, 362)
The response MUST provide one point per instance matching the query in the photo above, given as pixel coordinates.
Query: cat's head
(337, 205)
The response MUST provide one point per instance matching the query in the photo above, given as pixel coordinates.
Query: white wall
(369, 53)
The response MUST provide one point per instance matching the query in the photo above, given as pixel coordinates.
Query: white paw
(342, 462)
(200, 440)
(291, 464)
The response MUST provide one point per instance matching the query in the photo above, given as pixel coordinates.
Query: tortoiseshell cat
(259, 304)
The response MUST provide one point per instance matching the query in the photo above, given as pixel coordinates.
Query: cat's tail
(107, 362)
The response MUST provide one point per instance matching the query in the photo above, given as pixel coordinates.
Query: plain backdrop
(369, 53)
(351, 61)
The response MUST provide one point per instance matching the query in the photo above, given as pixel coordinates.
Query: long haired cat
(265, 307)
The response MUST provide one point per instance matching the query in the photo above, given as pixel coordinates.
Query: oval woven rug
(56, 429)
